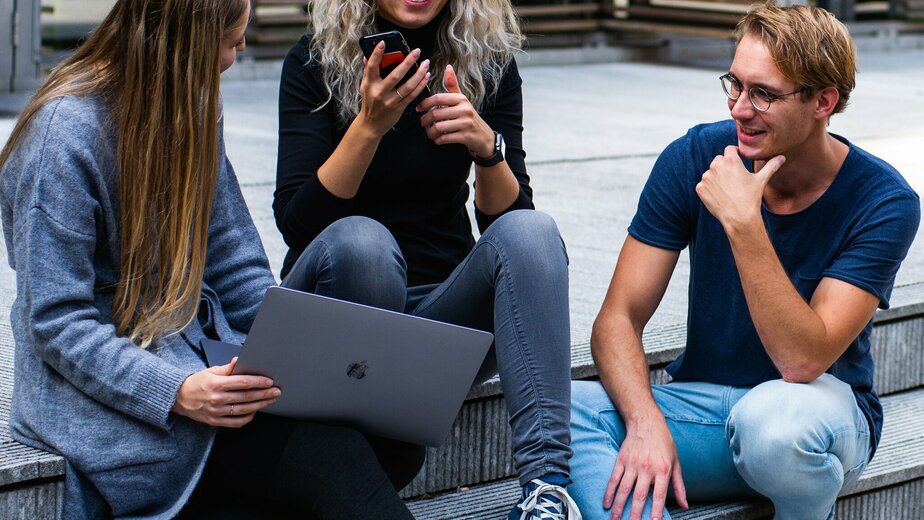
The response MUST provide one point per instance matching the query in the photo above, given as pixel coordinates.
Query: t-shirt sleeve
(666, 206)
(877, 245)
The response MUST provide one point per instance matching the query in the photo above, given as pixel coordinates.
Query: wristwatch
(499, 149)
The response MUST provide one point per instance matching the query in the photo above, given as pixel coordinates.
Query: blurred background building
(34, 34)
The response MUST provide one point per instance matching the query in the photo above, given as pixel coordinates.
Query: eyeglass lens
(759, 97)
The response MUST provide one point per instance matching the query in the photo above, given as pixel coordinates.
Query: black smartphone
(396, 49)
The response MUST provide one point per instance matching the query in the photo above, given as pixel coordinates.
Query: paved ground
(593, 132)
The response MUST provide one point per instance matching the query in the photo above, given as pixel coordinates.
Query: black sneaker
(543, 501)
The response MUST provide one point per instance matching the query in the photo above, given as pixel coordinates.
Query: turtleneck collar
(423, 38)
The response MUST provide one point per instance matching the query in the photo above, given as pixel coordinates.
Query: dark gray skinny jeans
(513, 283)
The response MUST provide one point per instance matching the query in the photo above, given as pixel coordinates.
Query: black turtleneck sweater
(414, 187)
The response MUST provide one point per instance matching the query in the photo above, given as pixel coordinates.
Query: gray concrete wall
(20, 39)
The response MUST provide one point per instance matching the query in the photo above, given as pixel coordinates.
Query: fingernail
(276, 393)
(380, 45)
(415, 53)
(425, 64)
(448, 67)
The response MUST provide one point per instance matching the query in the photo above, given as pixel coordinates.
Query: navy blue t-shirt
(858, 231)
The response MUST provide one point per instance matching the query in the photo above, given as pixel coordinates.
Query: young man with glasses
(773, 396)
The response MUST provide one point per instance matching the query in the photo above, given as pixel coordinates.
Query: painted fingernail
(425, 64)
(380, 45)
(415, 53)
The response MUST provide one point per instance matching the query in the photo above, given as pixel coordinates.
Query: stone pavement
(592, 133)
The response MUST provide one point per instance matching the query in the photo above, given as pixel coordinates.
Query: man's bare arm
(802, 338)
(647, 457)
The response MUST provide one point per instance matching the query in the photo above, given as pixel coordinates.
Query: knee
(333, 438)
(768, 421)
(585, 394)
(779, 429)
(361, 243)
(792, 414)
(530, 236)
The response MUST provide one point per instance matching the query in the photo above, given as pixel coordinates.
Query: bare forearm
(344, 170)
(792, 333)
(496, 188)
(623, 368)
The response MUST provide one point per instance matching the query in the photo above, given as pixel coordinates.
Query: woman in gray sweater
(131, 242)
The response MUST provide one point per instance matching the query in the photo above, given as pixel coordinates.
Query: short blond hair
(809, 45)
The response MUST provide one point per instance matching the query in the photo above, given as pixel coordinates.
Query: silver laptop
(383, 372)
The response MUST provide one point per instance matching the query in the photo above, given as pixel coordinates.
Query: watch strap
(497, 157)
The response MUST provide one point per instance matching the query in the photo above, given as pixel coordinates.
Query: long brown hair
(156, 65)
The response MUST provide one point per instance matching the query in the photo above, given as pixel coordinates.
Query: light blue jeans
(796, 444)
(513, 283)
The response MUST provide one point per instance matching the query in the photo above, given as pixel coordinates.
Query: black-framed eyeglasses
(760, 99)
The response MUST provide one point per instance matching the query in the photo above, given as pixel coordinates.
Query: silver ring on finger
(232, 410)
(400, 95)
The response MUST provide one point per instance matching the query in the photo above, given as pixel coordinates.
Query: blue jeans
(796, 444)
(513, 283)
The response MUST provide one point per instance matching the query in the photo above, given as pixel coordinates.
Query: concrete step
(30, 479)
(478, 449)
(892, 485)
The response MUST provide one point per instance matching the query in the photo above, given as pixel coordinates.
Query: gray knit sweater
(80, 389)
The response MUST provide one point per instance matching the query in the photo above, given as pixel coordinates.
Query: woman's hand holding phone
(383, 99)
(451, 118)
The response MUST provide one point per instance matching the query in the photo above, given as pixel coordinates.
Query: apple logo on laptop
(357, 370)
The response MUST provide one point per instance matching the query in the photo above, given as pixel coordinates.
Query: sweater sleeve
(302, 206)
(504, 114)
(56, 236)
(236, 267)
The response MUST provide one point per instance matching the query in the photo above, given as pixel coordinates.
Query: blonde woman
(371, 193)
(131, 242)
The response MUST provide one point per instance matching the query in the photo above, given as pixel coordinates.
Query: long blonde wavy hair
(155, 63)
(477, 37)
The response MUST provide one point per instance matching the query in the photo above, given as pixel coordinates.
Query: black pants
(276, 467)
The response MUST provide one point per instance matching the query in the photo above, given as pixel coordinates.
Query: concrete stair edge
(899, 462)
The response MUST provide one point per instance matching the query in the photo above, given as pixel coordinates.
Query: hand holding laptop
(382, 372)
(213, 396)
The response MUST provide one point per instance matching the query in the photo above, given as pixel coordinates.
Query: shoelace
(548, 509)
